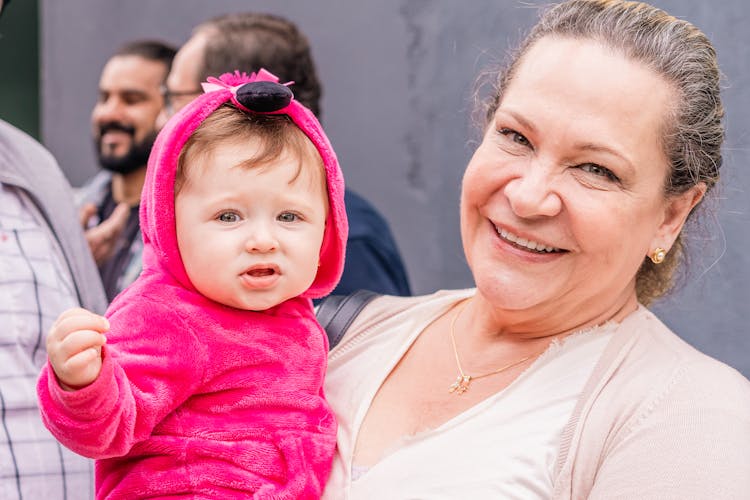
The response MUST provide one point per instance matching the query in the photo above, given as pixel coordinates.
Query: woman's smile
(524, 243)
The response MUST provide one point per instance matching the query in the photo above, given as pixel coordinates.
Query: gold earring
(658, 255)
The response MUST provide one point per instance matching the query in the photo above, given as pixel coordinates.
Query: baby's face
(250, 238)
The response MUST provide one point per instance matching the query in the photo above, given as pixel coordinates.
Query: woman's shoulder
(659, 342)
(668, 372)
(652, 394)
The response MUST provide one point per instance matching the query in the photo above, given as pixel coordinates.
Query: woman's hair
(684, 57)
(277, 136)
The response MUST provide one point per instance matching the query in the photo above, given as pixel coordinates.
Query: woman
(551, 379)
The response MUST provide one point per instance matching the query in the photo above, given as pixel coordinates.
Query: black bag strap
(336, 313)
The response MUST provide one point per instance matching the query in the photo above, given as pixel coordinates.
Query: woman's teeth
(522, 242)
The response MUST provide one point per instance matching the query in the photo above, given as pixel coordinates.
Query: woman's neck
(543, 321)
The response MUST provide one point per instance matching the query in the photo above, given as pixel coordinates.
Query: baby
(209, 384)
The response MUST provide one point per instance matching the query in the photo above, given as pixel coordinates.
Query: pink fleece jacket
(195, 398)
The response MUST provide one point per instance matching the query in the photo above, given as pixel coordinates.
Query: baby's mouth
(259, 273)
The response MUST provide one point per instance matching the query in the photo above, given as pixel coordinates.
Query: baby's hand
(74, 347)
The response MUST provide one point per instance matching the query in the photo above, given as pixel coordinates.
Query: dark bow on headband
(264, 97)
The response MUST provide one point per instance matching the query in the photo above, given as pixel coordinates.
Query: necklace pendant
(461, 384)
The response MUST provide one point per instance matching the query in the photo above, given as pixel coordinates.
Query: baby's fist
(74, 347)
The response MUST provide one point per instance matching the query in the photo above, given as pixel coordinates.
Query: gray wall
(398, 78)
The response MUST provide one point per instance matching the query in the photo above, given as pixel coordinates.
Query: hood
(157, 214)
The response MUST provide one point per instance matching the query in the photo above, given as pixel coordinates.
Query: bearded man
(124, 129)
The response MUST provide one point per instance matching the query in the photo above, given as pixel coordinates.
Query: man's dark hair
(153, 50)
(250, 41)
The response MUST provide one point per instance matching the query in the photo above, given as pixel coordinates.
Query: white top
(504, 447)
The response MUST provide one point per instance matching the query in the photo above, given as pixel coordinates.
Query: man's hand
(74, 347)
(102, 239)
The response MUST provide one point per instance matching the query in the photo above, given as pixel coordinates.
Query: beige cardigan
(656, 420)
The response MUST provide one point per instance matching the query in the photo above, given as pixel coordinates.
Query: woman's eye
(288, 217)
(515, 136)
(228, 217)
(599, 171)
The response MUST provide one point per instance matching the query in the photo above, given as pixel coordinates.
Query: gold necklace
(463, 380)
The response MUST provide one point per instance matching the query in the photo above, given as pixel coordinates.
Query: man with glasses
(45, 268)
(248, 42)
(175, 100)
(124, 129)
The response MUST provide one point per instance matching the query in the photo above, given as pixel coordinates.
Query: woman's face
(564, 197)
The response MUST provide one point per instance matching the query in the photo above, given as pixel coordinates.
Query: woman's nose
(531, 193)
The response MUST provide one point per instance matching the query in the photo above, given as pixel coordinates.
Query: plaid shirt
(35, 286)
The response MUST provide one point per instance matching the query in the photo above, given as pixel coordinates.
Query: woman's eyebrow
(601, 148)
(519, 118)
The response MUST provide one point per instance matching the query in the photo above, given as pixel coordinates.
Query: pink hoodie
(196, 398)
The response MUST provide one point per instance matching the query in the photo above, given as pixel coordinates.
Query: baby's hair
(277, 135)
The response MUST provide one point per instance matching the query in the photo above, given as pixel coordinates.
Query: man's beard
(135, 158)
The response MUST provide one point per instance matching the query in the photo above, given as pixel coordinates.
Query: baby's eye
(599, 171)
(514, 136)
(288, 217)
(228, 217)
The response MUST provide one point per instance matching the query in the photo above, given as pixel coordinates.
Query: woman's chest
(407, 438)
(414, 399)
(496, 450)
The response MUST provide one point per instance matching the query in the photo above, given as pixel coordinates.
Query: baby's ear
(264, 97)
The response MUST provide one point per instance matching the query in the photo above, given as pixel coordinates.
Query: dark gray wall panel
(398, 77)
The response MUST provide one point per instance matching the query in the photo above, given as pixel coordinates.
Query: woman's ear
(676, 210)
